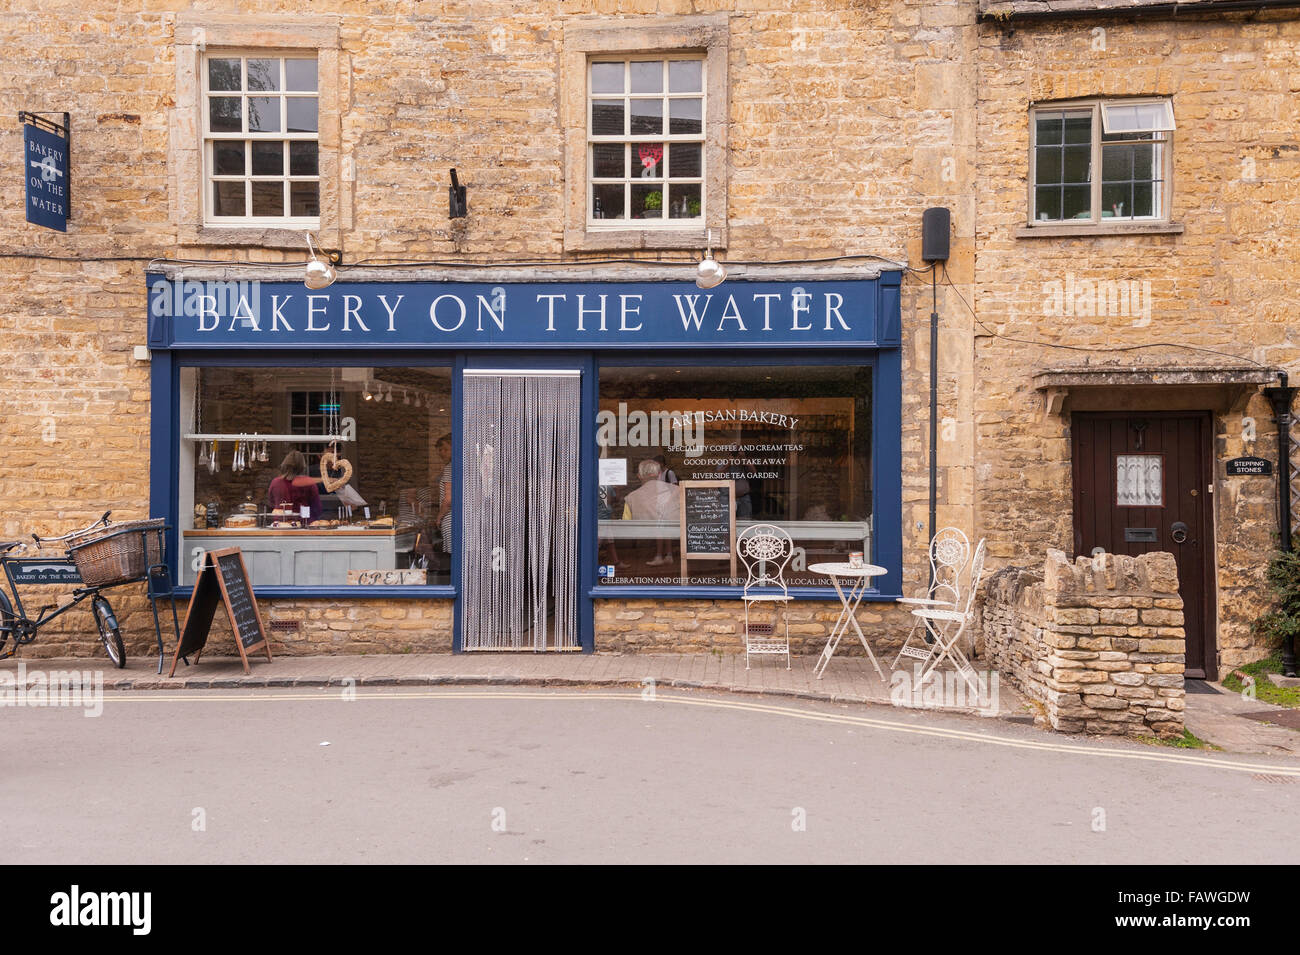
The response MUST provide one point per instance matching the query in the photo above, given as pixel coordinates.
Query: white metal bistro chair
(764, 551)
(949, 626)
(949, 555)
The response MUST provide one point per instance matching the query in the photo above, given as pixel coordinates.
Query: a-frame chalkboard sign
(223, 578)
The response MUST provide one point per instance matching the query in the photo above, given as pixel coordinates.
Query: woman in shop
(295, 488)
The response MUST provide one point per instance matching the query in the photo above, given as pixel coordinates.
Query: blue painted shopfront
(569, 325)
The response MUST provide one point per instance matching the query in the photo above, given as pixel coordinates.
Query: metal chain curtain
(519, 496)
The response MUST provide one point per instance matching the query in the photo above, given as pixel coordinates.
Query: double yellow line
(676, 699)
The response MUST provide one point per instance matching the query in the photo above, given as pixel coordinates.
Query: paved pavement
(519, 775)
(1215, 717)
(846, 679)
(1218, 717)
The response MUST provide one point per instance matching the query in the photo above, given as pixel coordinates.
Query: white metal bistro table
(858, 578)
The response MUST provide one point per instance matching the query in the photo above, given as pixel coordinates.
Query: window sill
(597, 240)
(1069, 230)
(676, 592)
(266, 237)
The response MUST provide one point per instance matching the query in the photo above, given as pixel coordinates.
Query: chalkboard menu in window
(222, 579)
(708, 520)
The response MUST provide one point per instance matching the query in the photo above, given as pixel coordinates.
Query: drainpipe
(1281, 398)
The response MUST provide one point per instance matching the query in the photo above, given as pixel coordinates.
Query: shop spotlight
(321, 272)
(711, 273)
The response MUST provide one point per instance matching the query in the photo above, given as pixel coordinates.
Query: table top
(847, 570)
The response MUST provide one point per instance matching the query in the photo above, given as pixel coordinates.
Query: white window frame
(666, 222)
(1163, 138)
(210, 138)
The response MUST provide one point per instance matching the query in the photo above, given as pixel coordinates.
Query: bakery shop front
(522, 451)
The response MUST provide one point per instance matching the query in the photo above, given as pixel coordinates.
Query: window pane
(684, 117)
(228, 199)
(228, 158)
(1076, 202)
(224, 74)
(607, 117)
(301, 112)
(304, 199)
(792, 443)
(1077, 164)
(647, 77)
(268, 199)
(1144, 199)
(607, 77)
(303, 158)
(300, 75)
(685, 160)
(647, 116)
(684, 201)
(1047, 164)
(264, 114)
(684, 76)
(649, 161)
(223, 114)
(1139, 481)
(263, 74)
(1078, 127)
(1047, 205)
(608, 160)
(1116, 201)
(1137, 117)
(1144, 161)
(400, 464)
(607, 202)
(1049, 129)
(1116, 163)
(647, 202)
(268, 159)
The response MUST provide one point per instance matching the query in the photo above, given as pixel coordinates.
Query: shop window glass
(793, 442)
(393, 513)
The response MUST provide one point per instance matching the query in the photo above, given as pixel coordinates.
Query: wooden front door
(1142, 483)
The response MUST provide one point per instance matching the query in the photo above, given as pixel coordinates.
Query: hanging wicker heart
(330, 461)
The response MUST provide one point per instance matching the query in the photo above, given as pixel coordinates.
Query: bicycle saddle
(6, 546)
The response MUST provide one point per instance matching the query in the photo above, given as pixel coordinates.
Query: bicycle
(86, 556)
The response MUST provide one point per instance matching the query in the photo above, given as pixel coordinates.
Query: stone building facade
(831, 126)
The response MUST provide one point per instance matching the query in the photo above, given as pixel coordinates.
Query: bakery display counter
(302, 557)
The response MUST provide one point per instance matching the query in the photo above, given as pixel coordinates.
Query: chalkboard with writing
(222, 579)
(708, 522)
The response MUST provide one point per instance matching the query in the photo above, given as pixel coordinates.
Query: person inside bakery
(295, 488)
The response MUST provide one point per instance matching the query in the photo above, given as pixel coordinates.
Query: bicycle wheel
(109, 633)
(8, 636)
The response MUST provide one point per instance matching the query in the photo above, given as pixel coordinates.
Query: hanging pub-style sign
(46, 170)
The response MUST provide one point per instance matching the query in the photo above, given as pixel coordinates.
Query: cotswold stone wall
(1097, 643)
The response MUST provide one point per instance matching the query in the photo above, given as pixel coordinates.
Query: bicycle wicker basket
(117, 554)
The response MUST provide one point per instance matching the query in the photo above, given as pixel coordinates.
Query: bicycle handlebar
(53, 540)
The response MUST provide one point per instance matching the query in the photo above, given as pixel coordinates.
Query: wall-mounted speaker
(936, 224)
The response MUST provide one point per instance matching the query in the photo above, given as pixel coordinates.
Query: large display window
(790, 443)
(323, 476)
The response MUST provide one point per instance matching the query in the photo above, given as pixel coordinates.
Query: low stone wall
(1098, 643)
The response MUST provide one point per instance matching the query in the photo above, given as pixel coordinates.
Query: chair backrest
(976, 572)
(949, 554)
(764, 550)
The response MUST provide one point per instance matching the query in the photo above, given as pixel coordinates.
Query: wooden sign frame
(731, 524)
(203, 605)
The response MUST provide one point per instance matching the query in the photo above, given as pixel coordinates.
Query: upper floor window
(1101, 161)
(261, 139)
(645, 136)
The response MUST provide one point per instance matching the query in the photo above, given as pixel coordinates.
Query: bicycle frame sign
(43, 572)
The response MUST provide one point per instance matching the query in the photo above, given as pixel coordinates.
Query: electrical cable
(1091, 348)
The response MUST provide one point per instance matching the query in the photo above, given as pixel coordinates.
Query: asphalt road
(537, 776)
